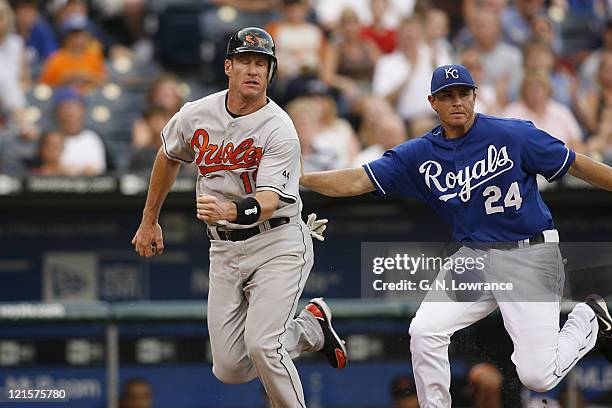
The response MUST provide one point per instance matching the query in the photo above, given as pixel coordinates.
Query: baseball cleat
(334, 348)
(604, 338)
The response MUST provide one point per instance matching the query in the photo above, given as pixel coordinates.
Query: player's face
(248, 74)
(455, 106)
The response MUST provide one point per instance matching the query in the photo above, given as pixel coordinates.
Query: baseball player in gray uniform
(248, 155)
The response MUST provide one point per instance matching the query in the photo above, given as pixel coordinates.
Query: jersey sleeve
(391, 173)
(279, 169)
(545, 155)
(176, 145)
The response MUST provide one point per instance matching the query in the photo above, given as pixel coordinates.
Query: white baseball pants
(543, 355)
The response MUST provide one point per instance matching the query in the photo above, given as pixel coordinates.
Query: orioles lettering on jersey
(211, 157)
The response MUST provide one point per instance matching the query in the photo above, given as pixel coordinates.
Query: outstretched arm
(591, 171)
(338, 183)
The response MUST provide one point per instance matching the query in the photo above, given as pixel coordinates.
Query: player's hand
(212, 210)
(148, 240)
(317, 227)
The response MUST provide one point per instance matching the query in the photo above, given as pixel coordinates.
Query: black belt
(536, 239)
(243, 234)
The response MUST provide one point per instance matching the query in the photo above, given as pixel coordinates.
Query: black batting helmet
(253, 39)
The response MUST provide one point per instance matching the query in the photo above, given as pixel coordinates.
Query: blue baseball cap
(451, 75)
(67, 94)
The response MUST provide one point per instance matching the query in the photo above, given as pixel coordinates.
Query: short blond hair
(539, 76)
(6, 11)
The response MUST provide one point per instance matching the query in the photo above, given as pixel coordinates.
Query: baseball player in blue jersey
(478, 173)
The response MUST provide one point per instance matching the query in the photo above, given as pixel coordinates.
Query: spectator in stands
(373, 108)
(384, 37)
(600, 144)
(328, 12)
(436, 34)
(136, 393)
(48, 162)
(299, 43)
(542, 31)
(403, 393)
(163, 100)
(488, 95)
(14, 77)
(564, 398)
(402, 77)
(335, 133)
(147, 131)
(518, 22)
(38, 35)
(84, 151)
(349, 61)
(124, 21)
(164, 92)
(250, 5)
(536, 105)
(146, 139)
(79, 63)
(538, 56)
(307, 119)
(502, 62)
(12, 50)
(497, 6)
(486, 382)
(594, 104)
(589, 67)
(464, 37)
(65, 10)
(390, 132)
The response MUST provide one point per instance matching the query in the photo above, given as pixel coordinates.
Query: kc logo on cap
(451, 72)
(450, 75)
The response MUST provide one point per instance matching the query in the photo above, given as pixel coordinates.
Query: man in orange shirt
(79, 63)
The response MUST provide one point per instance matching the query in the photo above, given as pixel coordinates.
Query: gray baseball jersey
(237, 157)
(255, 284)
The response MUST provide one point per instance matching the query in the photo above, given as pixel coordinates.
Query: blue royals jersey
(483, 184)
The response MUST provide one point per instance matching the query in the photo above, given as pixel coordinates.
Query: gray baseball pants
(254, 290)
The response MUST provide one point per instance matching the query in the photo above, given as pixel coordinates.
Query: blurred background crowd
(87, 86)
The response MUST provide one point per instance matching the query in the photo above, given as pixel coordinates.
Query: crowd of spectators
(86, 86)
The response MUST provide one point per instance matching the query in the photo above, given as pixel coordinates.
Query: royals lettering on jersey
(482, 184)
(217, 157)
(469, 178)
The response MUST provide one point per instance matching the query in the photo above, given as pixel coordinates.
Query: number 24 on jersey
(512, 198)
